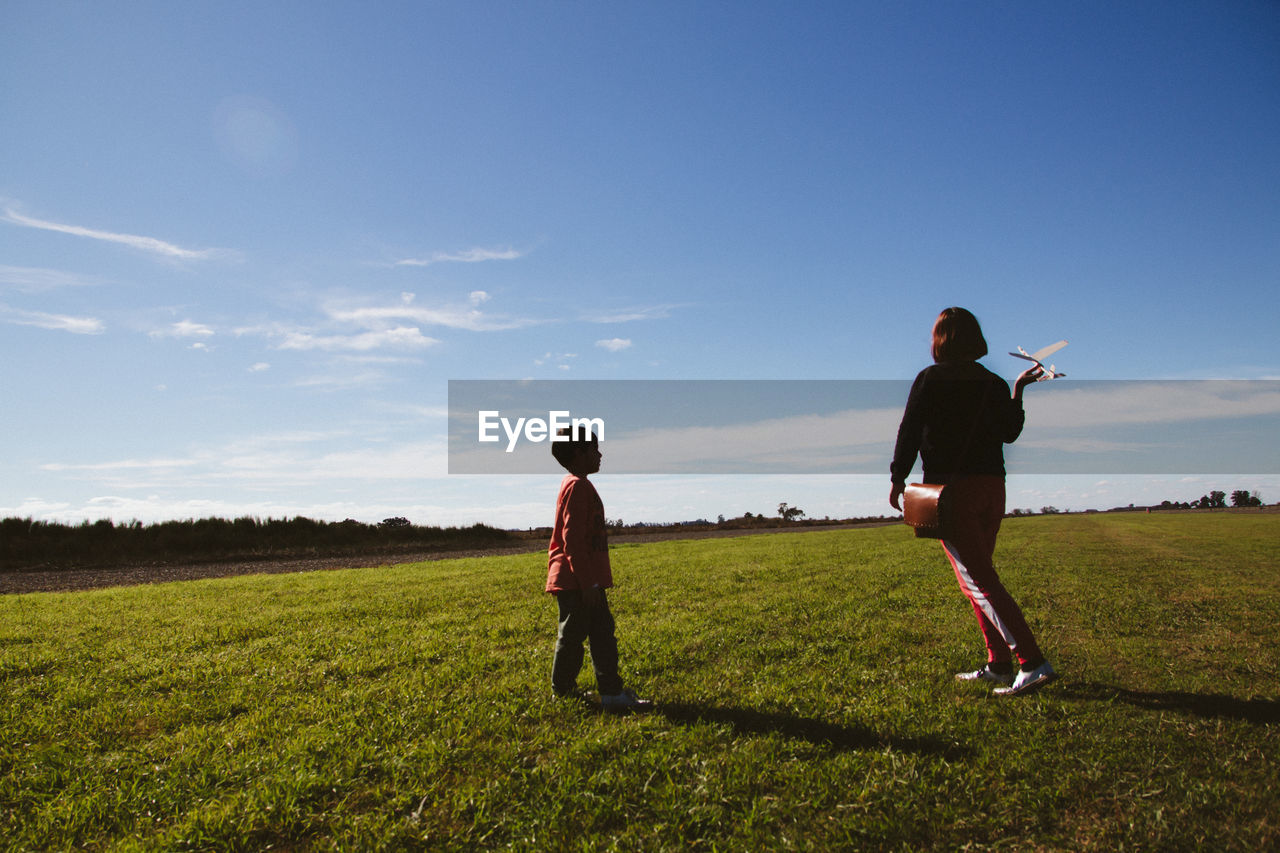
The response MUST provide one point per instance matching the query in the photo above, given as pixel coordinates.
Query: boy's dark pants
(595, 625)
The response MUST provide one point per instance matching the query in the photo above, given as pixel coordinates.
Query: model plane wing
(1042, 354)
(1039, 355)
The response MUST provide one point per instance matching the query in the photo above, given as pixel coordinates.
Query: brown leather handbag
(924, 507)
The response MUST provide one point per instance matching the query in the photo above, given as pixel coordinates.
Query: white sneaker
(625, 701)
(1029, 681)
(986, 674)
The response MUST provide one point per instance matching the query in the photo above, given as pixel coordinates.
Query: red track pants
(977, 508)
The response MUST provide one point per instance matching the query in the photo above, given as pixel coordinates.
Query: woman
(958, 417)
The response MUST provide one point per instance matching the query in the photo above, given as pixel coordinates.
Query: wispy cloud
(631, 315)
(468, 256)
(121, 465)
(184, 329)
(560, 360)
(371, 358)
(1091, 445)
(469, 318)
(352, 328)
(35, 279)
(1171, 401)
(343, 381)
(133, 241)
(54, 322)
(452, 318)
(300, 338)
(292, 460)
(614, 344)
(400, 337)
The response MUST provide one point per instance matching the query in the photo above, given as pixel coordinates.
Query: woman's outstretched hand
(1027, 377)
(895, 495)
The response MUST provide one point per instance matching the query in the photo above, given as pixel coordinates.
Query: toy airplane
(1050, 372)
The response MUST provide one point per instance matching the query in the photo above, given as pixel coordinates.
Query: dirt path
(64, 580)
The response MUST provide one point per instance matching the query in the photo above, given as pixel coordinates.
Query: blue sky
(244, 246)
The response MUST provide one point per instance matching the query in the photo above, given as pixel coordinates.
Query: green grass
(804, 683)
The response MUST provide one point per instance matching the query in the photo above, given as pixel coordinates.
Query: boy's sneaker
(1028, 681)
(987, 674)
(625, 701)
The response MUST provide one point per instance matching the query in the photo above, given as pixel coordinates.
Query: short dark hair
(957, 336)
(571, 443)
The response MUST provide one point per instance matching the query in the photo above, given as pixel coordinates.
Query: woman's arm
(907, 445)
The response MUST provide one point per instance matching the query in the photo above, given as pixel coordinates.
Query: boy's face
(587, 460)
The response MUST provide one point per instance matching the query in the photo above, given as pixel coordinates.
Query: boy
(578, 574)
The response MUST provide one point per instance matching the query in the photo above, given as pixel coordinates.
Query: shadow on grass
(1207, 705)
(839, 738)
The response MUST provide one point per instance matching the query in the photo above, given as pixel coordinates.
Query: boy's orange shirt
(578, 556)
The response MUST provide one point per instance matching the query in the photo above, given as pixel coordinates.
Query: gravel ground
(63, 580)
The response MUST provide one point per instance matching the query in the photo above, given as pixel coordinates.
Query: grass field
(804, 687)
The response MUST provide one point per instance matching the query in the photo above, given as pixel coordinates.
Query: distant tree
(1241, 497)
(789, 513)
(1049, 510)
(1217, 500)
(398, 521)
